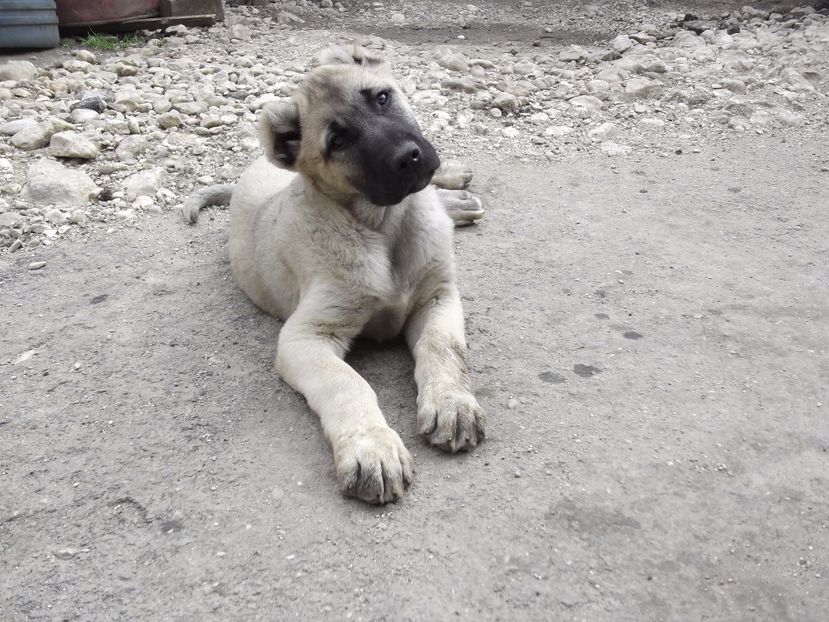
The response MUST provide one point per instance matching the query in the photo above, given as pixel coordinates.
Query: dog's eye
(337, 141)
(382, 98)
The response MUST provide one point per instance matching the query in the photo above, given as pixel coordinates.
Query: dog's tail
(203, 197)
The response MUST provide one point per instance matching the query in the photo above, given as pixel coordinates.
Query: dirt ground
(649, 338)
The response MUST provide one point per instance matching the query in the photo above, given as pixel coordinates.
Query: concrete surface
(650, 343)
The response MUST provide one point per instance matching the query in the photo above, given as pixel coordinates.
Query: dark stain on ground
(552, 377)
(632, 334)
(585, 371)
(601, 316)
(98, 299)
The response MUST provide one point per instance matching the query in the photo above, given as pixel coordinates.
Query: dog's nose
(408, 157)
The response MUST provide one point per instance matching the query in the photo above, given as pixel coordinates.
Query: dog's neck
(365, 212)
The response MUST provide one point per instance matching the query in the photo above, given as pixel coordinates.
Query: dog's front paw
(463, 207)
(373, 465)
(451, 420)
(452, 175)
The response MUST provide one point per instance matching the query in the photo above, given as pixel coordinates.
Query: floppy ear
(349, 55)
(280, 133)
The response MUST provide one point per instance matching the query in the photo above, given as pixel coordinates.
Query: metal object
(28, 24)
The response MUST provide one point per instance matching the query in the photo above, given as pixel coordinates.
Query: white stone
(506, 102)
(145, 183)
(51, 183)
(82, 115)
(614, 149)
(56, 217)
(642, 87)
(13, 127)
(130, 148)
(33, 137)
(168, 120)
(557, 131)
(73, 145)
(685, 39)
(588, 102)
(603, 131)
(622, 43)
(17, 70)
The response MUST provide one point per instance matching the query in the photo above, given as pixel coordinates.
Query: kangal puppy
(338, 232)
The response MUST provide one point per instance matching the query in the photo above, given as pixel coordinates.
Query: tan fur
(307, 248)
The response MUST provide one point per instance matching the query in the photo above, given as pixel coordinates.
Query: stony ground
(647, 309)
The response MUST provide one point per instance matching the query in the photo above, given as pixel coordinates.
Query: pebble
(37, 265)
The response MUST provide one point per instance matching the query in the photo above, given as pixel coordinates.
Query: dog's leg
(463, 207)
(447, 412)
(372, 462)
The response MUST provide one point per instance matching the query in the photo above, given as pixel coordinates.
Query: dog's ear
(280, 133)
(349, 55)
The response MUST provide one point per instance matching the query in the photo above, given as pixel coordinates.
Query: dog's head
(350, 130)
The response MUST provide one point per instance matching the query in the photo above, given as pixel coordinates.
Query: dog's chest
(407, 260)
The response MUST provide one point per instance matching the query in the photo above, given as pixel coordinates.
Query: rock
(67, 553)
(286, 18)
(688, 40)
(735, 86)
(80, 116)
(614, 149)
(73, 145)
(143, 202)
(453, 61)
(211, 120)
(574, 53)
(789, 118)
(51, 183)
(37, 265)
(86, 56)
(621, 43)
(145, 183)
(130, 148)
(9, 220)
(77, 66)
(95, 103)
(13, 127)
(589, 102)
(78, 217)
(506, 102)
(796, 80)
(603, 131)
(17, 70)
(56, 217)
(168, 120)
(641, 87)
(33, 137)
(557, 131)
(239, 31)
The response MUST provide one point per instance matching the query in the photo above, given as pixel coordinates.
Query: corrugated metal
(92, 12)
(28, 24)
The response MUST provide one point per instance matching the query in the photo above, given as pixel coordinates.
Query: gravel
(184, 101)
